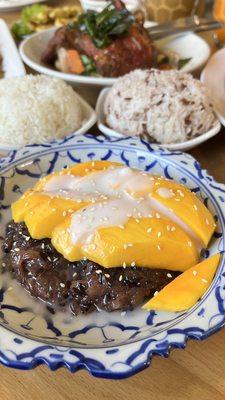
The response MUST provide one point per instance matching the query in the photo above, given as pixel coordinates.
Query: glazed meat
(125, 53)
(84, 285)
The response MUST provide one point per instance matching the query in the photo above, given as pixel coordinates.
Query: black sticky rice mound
(84, 285)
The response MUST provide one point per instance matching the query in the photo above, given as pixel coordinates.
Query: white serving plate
(213, 76)
(187, 46)
(88, 121)
(12, 63)
(10, 5)
(184, 146)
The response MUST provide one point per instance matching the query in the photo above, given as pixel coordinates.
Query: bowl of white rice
(36, 109)
(165, 107)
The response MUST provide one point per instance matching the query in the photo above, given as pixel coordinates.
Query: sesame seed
(159, 234)
(169, 275)
(93, 164)
(194, 273)
(189, 243)
(26, 204)
(204, 280)
(49, 259)
(137, 220)
(120, 278)
(158, 215)
(129, 215)
(129, 244)
(158, 247)
(173, 228)
(84, 258)
(207, 221)
(195, 207)
(124, 264)
(74, 274)
(3, 264)
(53, 209)
(125, 246)
(156, 292)
(123, 313)
(150, 216)
(93, 246)
(62, 285)
(168, 228)
(121, 226)
(177, 199)
(78, 200)
(42, 246)
(107, 275)
(17, 249)
(149, 230)
(64, 213)
(98, 271)
(133, 264)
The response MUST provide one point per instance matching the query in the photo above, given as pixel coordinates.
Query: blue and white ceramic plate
(107, 345)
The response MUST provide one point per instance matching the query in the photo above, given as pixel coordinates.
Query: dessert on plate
(103, 236)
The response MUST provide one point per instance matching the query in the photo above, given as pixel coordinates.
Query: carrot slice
(74, 62)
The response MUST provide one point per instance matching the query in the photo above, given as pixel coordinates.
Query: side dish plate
(213, 76)
(183, 146)
(12, 63)
(106, 345)
(187, 46)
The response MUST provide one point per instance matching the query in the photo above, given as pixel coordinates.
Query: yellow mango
(42, 219)
(26, 203)
(185, 290)
(186, 205)
(144, 243)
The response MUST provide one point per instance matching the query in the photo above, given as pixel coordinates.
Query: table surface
(198, 373)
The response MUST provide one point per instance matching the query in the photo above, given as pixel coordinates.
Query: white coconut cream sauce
(116, 194)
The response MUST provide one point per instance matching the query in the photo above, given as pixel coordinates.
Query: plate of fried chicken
(102, 46)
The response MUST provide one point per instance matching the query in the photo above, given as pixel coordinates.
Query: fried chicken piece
(124, 54)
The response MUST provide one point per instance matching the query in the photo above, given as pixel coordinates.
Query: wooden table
(198, 373)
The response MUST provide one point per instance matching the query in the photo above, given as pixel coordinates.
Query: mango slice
(82, 169)
(147, 243)
(186, 205)
(185, 290)
(42, 219)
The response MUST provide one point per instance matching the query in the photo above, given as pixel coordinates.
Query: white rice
(35, 109)
(163, 106)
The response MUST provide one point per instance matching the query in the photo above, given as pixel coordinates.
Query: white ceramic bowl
(187, 46)
(213, 76)
(12, 63)
(183, 146)
(88, 121)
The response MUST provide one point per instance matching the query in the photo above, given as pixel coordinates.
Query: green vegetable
(88, 65)
(33, 12)
(182, 62)
(101, 27)
(21, 29)
(29, 16)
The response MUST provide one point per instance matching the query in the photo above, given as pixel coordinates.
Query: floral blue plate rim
(122, 361)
